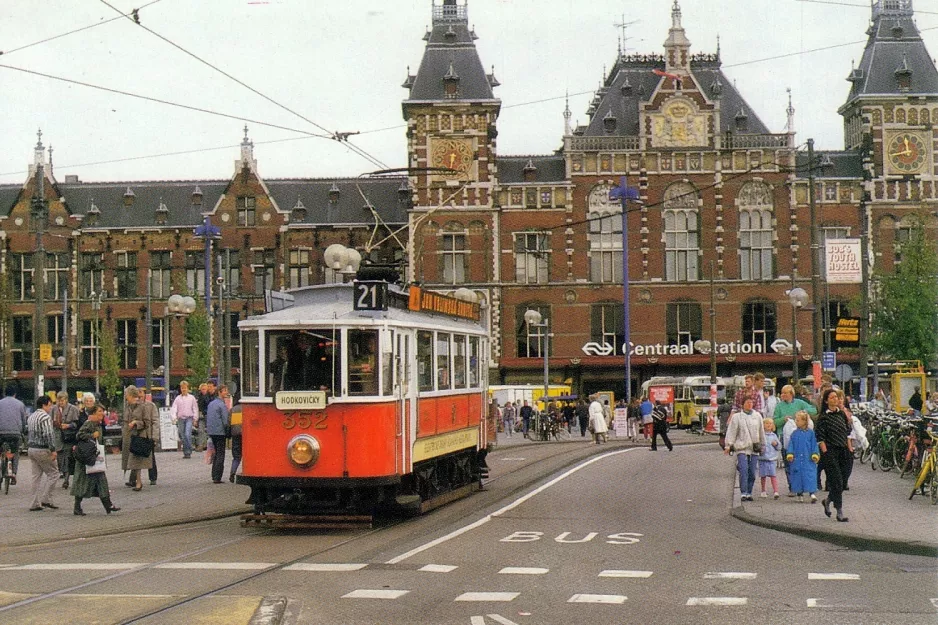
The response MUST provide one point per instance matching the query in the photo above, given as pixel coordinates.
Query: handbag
(140, 446)
(757, 448)
(86, 452)
(100, 465)
(69, 436)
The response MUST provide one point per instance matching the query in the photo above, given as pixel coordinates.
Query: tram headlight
(303, 451)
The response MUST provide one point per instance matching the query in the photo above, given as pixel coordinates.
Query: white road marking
(704, 601)
(364, 593)
(476, 620)
(500, 619)
(820, 603)
(586, 598)
(934, 602)
(511, 459)
(507, 508)
(729, 575)
(487, 596)
(834, 576)
(438, 568)
(523, 570)
(217, 566)
(324, 567)
(616, 573)
(126, 596)
(78, 566)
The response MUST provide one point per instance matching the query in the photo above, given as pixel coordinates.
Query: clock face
(452, 154)
(907, 153)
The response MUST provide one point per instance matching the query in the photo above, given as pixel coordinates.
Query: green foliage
(905, 309)
(111, 384)
(199, 356)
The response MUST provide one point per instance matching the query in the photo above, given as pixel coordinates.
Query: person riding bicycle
(13, 416)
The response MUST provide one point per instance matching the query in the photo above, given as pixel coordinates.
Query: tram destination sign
(300, 400)
(429, 301)
(370, 295)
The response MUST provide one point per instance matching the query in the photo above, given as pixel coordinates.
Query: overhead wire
(361, 152)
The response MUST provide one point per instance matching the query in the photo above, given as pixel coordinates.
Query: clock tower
(451, 113)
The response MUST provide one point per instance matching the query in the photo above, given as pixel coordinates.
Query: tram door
(406, 392)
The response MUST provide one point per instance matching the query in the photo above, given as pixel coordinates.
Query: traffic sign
(848, 331)
(829, 361)
(781, 346)
(844, 373)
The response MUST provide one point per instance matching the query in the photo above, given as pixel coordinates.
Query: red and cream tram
(363, 396)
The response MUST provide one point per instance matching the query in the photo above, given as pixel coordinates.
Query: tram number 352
(371, 295)
(305, 420)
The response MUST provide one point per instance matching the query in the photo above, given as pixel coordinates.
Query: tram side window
(250, 365)
(459, 361)
(443, 377)
(474, 362)
(305, 360)
(387, 363)
(425, 361)
(363, 362)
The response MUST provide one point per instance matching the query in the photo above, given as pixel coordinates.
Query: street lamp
(96, 300)
(342, 261)
(176, 306)
(534, 320)
(798, 298)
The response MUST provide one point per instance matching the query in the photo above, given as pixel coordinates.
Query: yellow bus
(690, 397)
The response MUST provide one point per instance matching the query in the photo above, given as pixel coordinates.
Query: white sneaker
(775, 496)
(800, 498)
(763, 495)
(813, 498)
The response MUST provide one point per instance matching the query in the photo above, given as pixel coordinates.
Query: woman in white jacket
(597, 422)
(742, 434)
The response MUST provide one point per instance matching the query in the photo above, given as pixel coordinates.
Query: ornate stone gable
(678, 123)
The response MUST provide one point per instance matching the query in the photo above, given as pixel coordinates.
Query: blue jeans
(185, 435)
(746, 464)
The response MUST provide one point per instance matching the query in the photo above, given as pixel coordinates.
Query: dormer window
(716, 88)
(404, 192)
(903, 75)
(530, 171)
(298, 212)
(609, 123)
(91, 217)
(742, 120)
(897, 30)
(129, 197)
(450, 34)
(162, 213)
(626, 87)
(197, 196)
(334, 194)
(451, 83)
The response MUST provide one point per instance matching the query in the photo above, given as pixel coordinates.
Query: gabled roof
(546, 168)
(8, 196)
(632, 83)
(340, 202)
(895, 47)
(450, 53)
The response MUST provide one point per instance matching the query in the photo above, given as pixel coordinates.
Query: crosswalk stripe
(934, 602)
(220, 566)
(706, 601)
(437, 568)
(78, 566)
(487, 596)
(364, 593)
(833, 576)
(729, 575)
(619, 573)
(324, 567)
(587, 598)
(523, 570)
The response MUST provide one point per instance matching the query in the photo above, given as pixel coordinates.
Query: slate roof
(450, 44)
(894, 43)
(831, 164)
(632, 82)
(548, 168)
(350, 207)
(8, 197)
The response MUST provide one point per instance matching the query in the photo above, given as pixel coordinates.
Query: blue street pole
(624, 193)
(208, 232)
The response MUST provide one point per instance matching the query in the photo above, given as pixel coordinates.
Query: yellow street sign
(45, 351)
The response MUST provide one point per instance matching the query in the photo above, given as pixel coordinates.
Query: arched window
(755, 232)
(681, 233)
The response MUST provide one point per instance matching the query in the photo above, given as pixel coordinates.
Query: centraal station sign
(659, 349)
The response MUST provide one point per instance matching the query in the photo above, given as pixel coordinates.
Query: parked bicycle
(928, 475)
(6, 468)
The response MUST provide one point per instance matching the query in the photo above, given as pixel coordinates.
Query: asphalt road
(623, 536)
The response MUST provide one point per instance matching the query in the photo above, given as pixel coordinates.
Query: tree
(199, 356)
(110, 363)
(905, 309)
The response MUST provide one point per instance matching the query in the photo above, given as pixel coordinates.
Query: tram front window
(362, 362)
(305, 360)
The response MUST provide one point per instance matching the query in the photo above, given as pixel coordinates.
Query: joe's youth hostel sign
(842, 261)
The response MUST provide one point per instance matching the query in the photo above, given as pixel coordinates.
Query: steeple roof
(451, 56)
(895, 61)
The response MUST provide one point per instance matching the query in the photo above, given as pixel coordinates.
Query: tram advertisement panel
(663, 394)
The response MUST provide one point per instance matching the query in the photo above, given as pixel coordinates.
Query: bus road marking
(616, 573)
(713, 575)
(834, 576)
(707, 601)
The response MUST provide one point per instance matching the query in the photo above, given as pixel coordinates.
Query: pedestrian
(508, 418)
(583, 416)
(597, 420)
(741, 394)
(65, 420)
(916, 403)
(185, 414)
(769, 458)
(89, 483)
(217, 422)
(207, 393)
(785, 409)
(607, 415)
(660, 427)
(526, 413)
(931, 406)
(746, 437)
(136, 421)
(880, 400)
(645, 408)
(724, 411)
(13, 419)
(569, 416)
(236, 442)
(851, 438)
(769, 401)
(634, 416)
(832, 430)
(803, 455)
(40, 438)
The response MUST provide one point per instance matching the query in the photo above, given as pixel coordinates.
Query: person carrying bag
(135, 424)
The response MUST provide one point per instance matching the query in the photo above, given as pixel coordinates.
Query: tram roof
(332, 303)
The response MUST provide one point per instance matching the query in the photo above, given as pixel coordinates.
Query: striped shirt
(832, 428)
(40, 430)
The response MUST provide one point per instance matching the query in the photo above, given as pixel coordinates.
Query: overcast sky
(340, 65)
